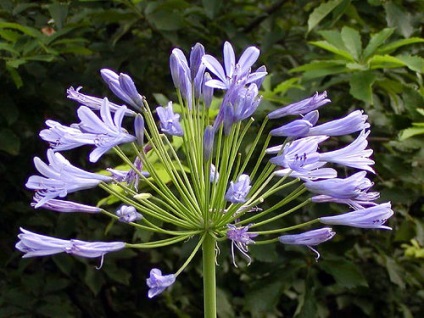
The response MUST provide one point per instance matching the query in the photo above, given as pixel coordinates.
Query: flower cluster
(213, 188)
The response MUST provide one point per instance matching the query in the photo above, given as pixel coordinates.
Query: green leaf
(211, 7)
(385, 61)
(414, 63)
(9, 142)
(17, 79)
(224, 307)
(59, 12)
(24, 29)
(376, 41)
(9, 48)
(286, 85)
(396, 17)
(333, 37)
(390, 47)
(395, 272)
(361, 86)
(413, 131)
(352, 41)
(329, 47)
(346, 274)
(321, 12)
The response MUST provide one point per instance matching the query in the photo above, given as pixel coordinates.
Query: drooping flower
(299, 154)
(309, 238)
(355, 121)
(64, 206)
(372, 218)
(169, 122)
(60, 178)
(157, 282)
(103, 132)
(62, 137)
(131, 177)
(33, 244)
(297, 128)
(240, 238)
(238, 191)
(353, 155)
(348, 188)
(94, 103)
(123, 87)
(233, 72)
(299, 108)
(128, 213)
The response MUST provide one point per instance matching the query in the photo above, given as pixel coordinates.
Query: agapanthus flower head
(309, 238)
(169, 121)
(233, 72)
(297, 128)
(128, 213)
(62, 137)
(240, 238)
(369, 218)
(304, 106)
(238, 190)
(123, 87)
(157, 282)
(355, 121)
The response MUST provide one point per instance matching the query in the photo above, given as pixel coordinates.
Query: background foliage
(367, 54)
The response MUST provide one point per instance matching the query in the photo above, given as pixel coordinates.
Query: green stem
(209, 280)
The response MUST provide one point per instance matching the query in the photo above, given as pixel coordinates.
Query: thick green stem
(209, 280)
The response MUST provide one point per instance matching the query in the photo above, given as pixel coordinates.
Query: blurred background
(367, 54)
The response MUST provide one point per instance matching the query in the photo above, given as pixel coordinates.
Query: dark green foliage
(367, 54)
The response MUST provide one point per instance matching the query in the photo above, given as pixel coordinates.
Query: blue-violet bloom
(157, 282)
(240, 238)
(309, 238)
(370, 218)
(304, 106)
(128, 213)
(238, 191)
(169, 122)
(65, 206)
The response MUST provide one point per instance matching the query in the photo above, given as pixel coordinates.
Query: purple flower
(299, 154)
(311, 172)
(353, 155)
(64, 206)
(238, 191)
(123, 87)
(240, 238)
(207, 92)
(297, 128)
(128, 213)
(169, 122)
(246, 103)
(348, 188)
(139, 129)
(62, 137)
(299, 108)
(370, 218)
(104, 132)
(234, 72)
(309, 238)
(33, 244)
(355, 121)
(130, 176)
(213, 174)
(157, 282)
(60, 178)
(94, 103)
(208, 139)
